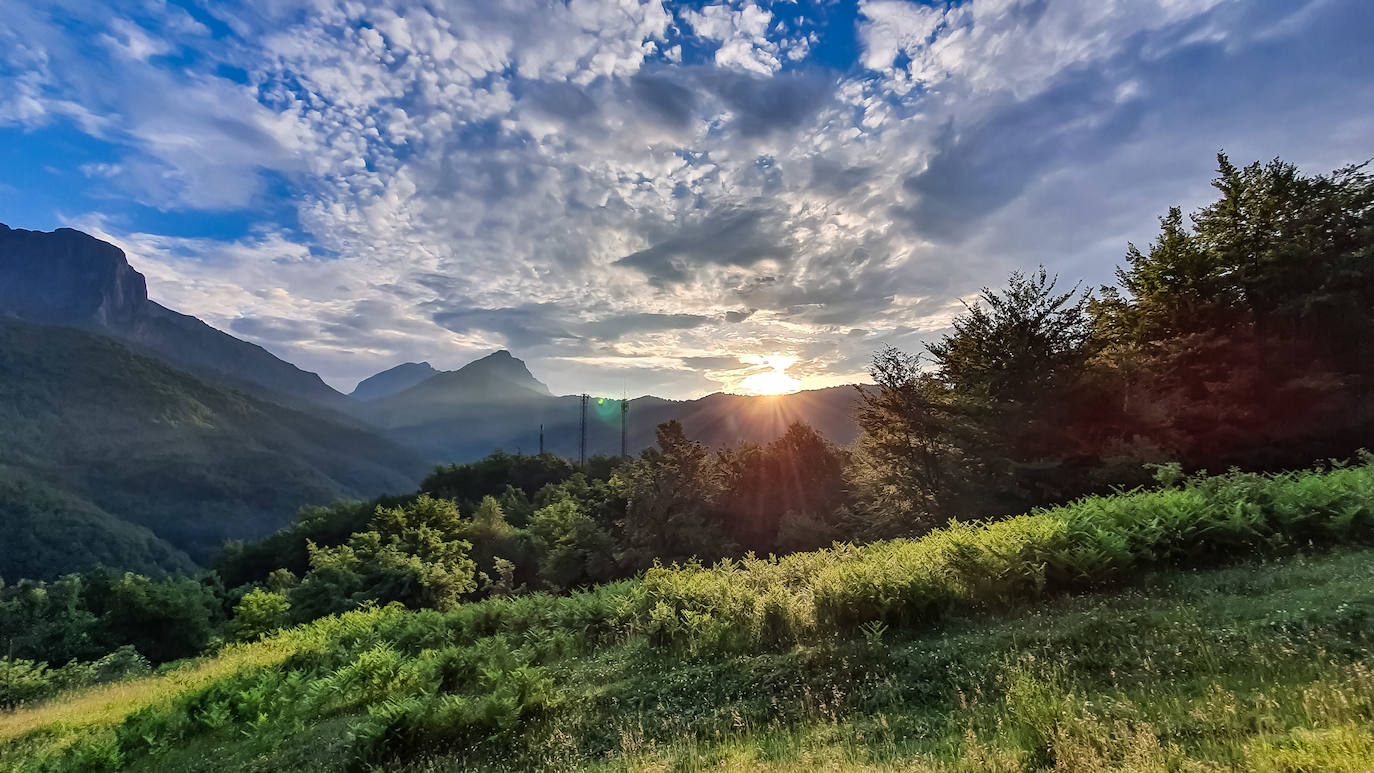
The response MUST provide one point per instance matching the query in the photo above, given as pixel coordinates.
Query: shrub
(1090, 542)
(259, 612)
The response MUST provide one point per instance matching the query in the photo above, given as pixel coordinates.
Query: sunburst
(771, 378)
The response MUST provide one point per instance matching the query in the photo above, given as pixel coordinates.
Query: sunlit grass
(110, 703)
(67, 717)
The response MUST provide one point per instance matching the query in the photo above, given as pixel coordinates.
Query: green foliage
(413, 554)
(799, 476)
(670, 493)
(27, 681)
(1018, 345)
(913, 466)
(188, 462)
(50, 532)
(503, 475)
(258, 613)
(239, 563)
(48, 621)
(1241, 339)
(574, 550)
(82, 617)
(1238, 668)
(22, 681)
(1095, 540)
(163, 619)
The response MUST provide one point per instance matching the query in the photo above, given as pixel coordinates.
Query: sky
(645, 197)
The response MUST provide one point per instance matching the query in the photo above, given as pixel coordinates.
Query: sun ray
(772, 378)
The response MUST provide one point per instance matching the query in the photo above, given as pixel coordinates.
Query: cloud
(738, 237)
(742, 33)
(631, 192)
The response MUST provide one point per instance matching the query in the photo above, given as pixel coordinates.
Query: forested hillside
(110, 457)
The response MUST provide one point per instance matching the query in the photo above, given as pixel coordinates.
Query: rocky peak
(67, 277)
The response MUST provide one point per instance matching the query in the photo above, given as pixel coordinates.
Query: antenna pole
(624, 412)
(583, 453)
(541, 439)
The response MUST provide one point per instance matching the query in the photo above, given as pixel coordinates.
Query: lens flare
(771, 378)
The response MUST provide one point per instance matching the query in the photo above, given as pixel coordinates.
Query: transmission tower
(582, 454)
(624, 413)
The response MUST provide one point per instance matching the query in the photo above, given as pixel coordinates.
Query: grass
(1013, 646)
(69, 717)
(1251, 668)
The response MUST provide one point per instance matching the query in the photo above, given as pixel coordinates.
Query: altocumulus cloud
(641, 193)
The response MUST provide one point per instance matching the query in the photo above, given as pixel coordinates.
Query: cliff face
(69, 278)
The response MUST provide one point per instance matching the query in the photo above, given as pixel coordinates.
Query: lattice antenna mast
(582, 453)
(624, 415)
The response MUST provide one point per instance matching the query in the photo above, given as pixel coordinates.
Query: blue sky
(644, 196)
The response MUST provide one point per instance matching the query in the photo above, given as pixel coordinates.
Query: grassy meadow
(1219, 623)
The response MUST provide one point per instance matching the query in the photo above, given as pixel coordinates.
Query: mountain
(483, 389)
(66, 277)
(49, 532)
(465, 433)
(495, 402)
(149, 462)
(389, 382)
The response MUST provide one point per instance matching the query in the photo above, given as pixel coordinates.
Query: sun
(771, 378)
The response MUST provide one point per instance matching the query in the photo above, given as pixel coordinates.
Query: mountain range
(150, 437)
(72, 279)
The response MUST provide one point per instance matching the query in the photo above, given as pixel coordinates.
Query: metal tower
(582, 456)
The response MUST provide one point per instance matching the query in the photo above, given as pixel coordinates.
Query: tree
(1247, 338)
(466, 484)
(574, 550)
(1018, 346)
(259, 613)
(413, 554)
(911, 465)
(1174, 288)
(670, 496)
(799, 473)
(494, 540)
(163, 619)
(47, 621)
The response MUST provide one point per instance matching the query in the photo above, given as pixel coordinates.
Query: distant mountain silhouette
(66, 277)
(485, 388)
(391, 381)
(495, 402)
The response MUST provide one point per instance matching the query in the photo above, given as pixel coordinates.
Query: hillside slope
(1081, 638)
(1261, 668)
(49, 532)
(66, 277)
(146, 444)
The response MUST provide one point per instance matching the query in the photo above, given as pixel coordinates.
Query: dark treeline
(1240, 337)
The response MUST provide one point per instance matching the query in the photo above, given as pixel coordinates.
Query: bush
(26, 681)
(258, 613)
(1090, 542)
